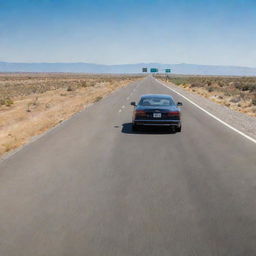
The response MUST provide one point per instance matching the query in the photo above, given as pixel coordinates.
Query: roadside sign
(153, 70)
(145, 70)
(167, 70)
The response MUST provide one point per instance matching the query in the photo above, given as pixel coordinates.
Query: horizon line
(138, 63)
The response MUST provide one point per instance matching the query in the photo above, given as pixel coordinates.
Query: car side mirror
(179, 104)
(133, 103)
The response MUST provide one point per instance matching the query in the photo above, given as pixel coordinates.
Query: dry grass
(237, 93)
(33, 103)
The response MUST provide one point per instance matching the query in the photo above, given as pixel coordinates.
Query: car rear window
(156, 101)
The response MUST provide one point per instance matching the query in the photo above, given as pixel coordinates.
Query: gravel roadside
(240, 121)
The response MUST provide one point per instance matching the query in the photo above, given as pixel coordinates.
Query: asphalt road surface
(92, 187)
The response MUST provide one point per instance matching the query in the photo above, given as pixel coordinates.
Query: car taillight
(173, 113)
(140, 113)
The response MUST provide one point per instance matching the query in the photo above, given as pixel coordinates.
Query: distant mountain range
(80, 67)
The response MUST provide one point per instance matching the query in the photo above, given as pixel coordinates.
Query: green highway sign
(144, 70)
(167, 70)
(153, 70)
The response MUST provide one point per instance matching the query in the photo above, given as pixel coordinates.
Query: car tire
(178, 129)
(135, 127)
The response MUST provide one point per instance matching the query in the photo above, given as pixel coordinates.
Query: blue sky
(221, 32)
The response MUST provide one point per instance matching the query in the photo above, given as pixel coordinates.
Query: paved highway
(93, 187)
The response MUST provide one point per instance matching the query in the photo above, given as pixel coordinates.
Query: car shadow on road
(127, 128)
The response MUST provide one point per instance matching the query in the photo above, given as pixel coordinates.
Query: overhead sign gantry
(153, 70)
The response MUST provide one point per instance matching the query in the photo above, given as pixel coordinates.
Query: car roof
(156, 96)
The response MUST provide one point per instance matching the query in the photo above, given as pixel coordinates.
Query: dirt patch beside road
(237, 93)
(33, 103)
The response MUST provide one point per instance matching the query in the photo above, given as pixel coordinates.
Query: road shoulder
(243, 123)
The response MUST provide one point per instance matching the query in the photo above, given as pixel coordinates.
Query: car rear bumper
(158, 122)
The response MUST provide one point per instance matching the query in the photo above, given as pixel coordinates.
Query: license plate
(157, 115)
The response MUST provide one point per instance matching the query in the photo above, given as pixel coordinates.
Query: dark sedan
(157, 110)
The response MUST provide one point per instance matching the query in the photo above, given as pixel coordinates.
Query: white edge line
(210, 114)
